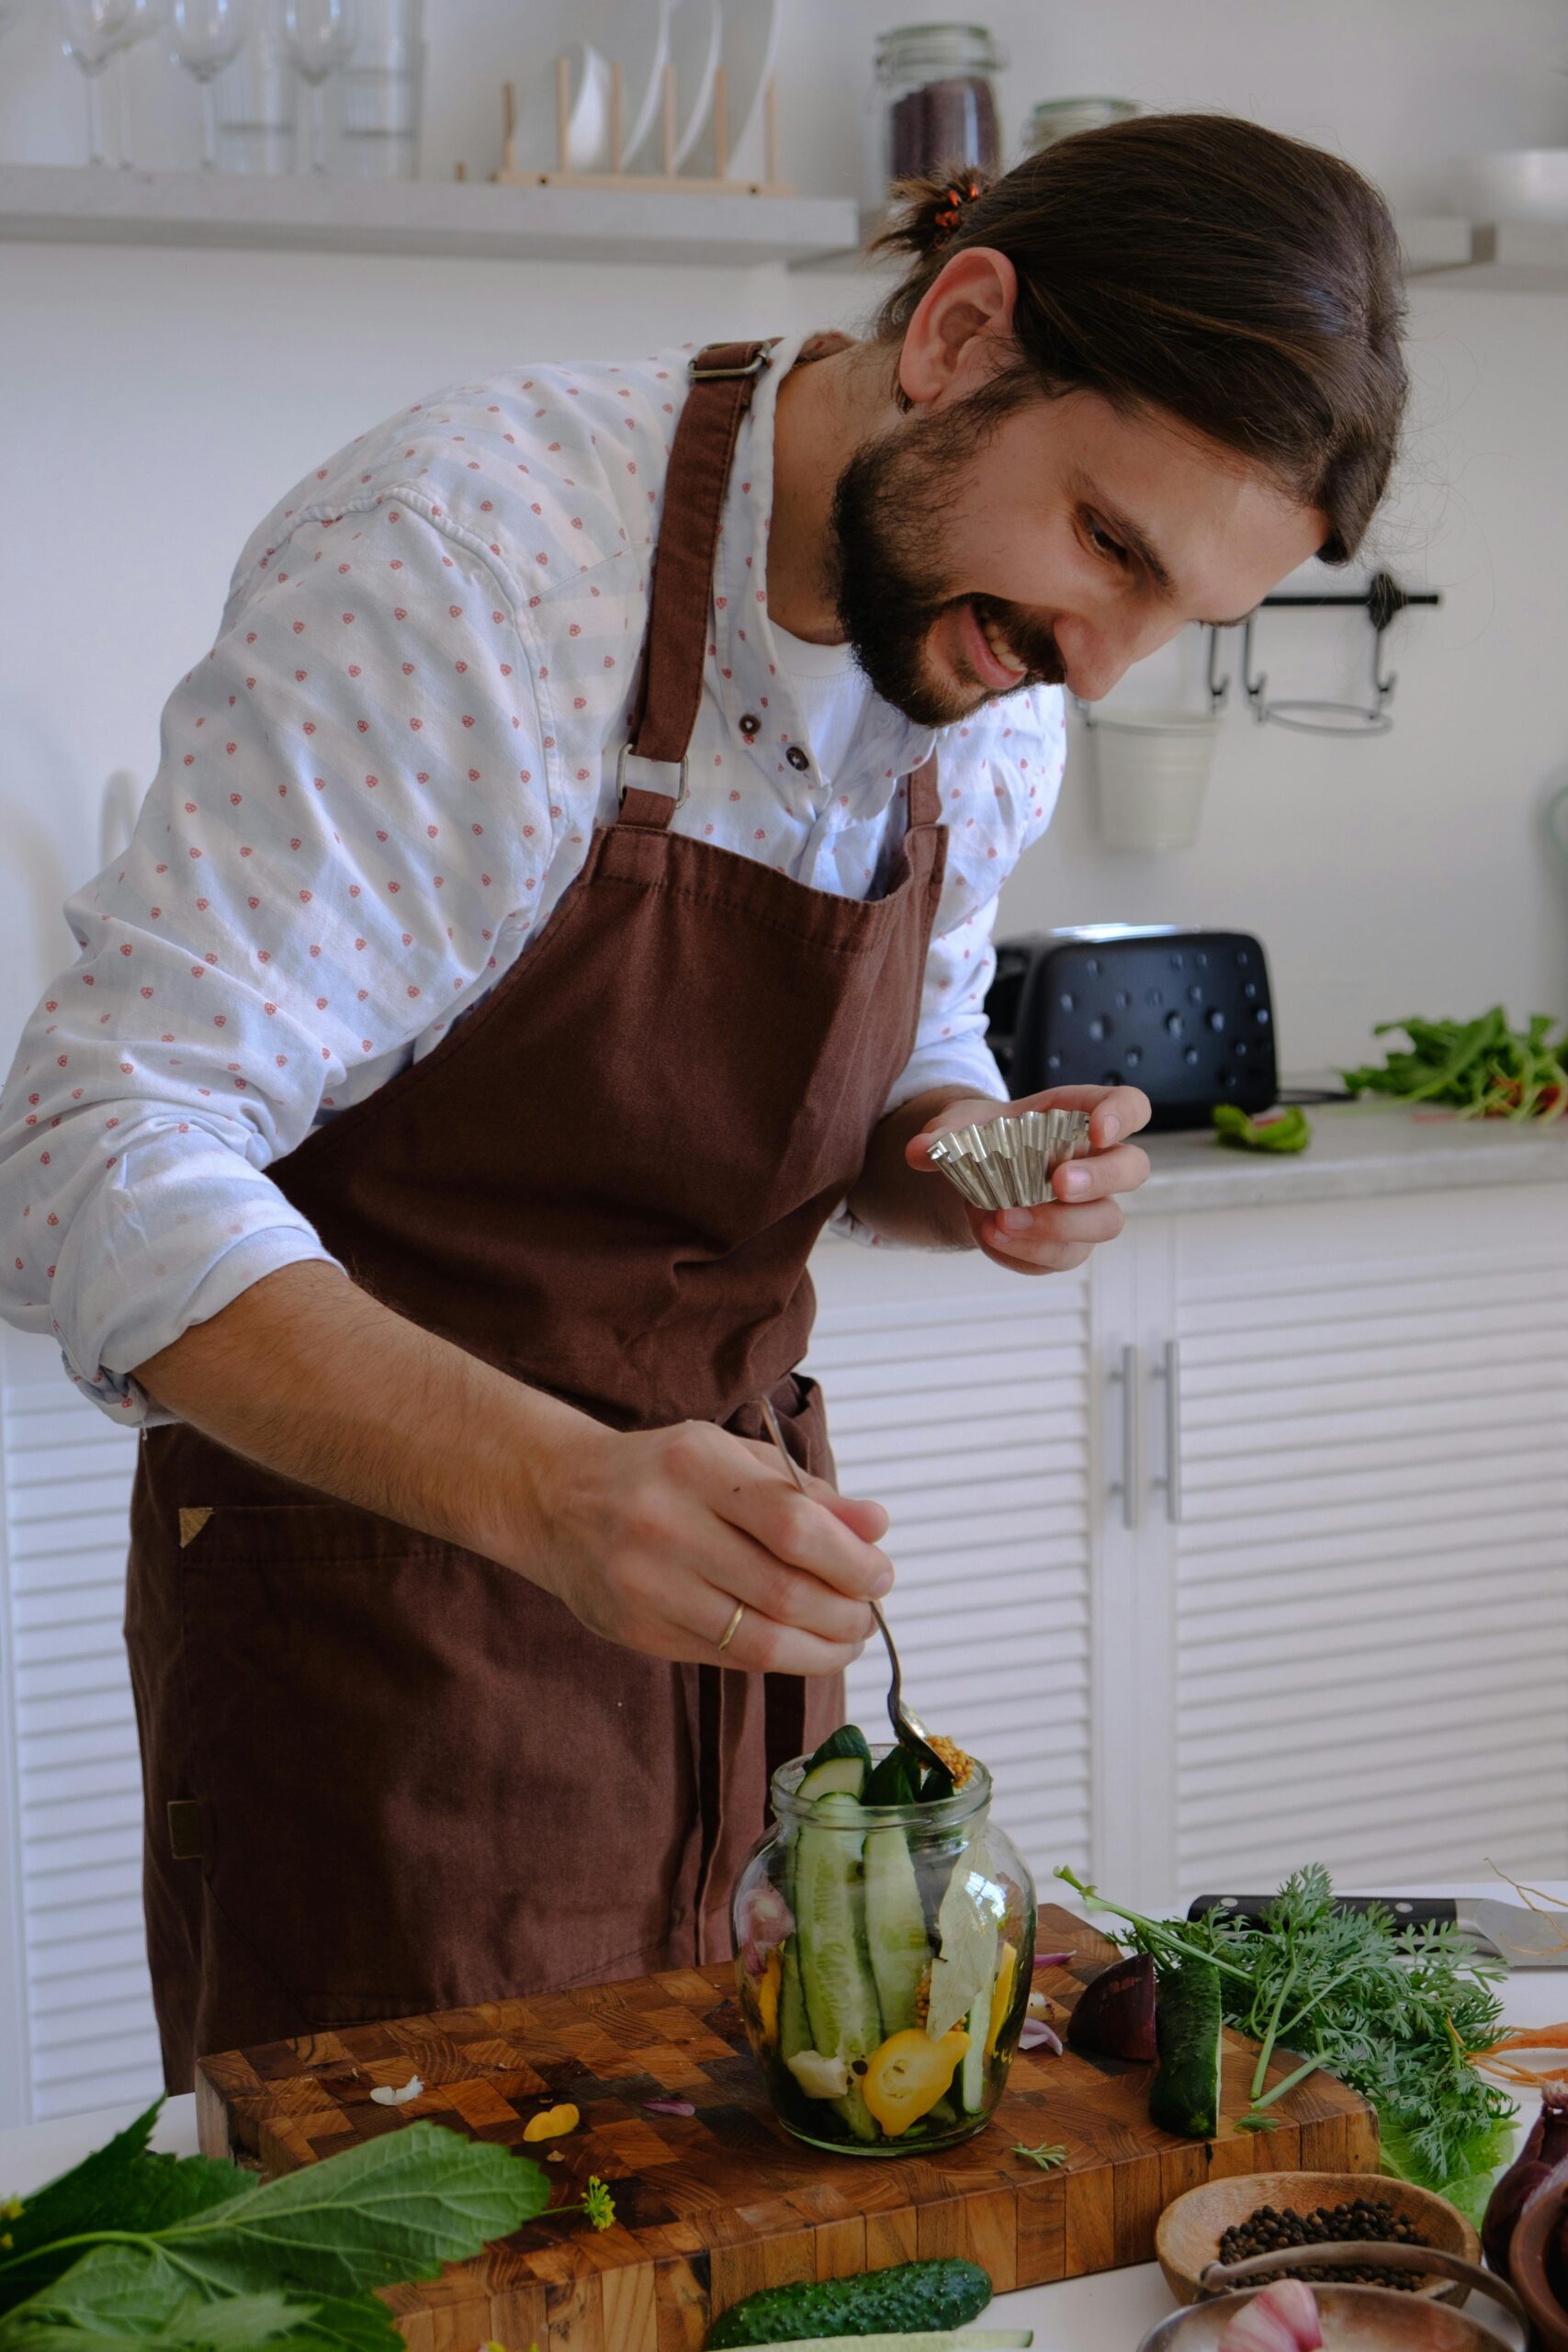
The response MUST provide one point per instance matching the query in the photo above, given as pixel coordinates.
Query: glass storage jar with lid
(884, 1959)
(1055, 118)
(936, 104)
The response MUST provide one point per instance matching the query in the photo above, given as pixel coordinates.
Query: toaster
(1186, 1015)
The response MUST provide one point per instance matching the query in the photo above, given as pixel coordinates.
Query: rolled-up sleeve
(349, 810)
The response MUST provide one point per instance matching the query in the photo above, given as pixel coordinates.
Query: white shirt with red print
(373, 791)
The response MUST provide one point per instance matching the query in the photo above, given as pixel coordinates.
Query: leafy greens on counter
(134, 2247)
(1483, 1069)
(1397, 2013)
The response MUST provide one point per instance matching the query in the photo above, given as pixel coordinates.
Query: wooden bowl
(1534, 2234)
(1191, 2228)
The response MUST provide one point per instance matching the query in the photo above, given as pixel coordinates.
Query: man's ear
(958, 337)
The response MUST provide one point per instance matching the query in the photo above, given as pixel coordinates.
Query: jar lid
(963, 48)
(1059, 118)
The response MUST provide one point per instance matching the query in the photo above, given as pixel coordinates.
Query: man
(568, 885)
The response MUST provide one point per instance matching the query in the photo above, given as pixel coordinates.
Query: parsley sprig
(135, 2248)
(1396, 2012)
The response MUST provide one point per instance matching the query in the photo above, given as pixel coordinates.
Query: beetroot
(1114, 2014)
(1544, 2150)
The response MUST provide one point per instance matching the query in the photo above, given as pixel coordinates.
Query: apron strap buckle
(676, 798)
(716, 363)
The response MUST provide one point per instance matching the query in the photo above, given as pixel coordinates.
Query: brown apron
(384, 1775)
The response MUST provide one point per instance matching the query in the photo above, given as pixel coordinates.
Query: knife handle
(1406, 1910)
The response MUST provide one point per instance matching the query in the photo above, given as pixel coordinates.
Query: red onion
(1038, 2035)
(1283, 2318)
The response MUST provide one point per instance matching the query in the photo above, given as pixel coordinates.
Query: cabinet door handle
(1169, 1370)
(1130, 1484)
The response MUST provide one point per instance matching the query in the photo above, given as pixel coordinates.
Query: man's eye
(1105, 545)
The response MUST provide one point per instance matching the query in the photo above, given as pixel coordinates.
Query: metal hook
(1256, 687)
(1218, 687)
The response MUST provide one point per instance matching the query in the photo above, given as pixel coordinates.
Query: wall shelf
(62, 204)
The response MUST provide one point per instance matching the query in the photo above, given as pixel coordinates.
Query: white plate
(636, 33)
(694, 34)
(748, 54)
(588, 114)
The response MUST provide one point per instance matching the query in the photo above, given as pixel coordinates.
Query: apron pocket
(423, 1783)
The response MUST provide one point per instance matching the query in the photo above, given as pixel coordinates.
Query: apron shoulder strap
(925, 798)
(724, 376)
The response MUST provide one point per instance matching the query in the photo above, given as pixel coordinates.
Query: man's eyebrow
(1132, 535)
(1138, 543)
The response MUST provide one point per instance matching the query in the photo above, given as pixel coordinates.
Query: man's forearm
(911, 1205)
(308, 1375)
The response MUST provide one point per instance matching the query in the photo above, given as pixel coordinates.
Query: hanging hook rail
(1383, 601)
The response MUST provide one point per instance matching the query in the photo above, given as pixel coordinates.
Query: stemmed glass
(207, 35)
(319, 36)
(143, 19)
(91, 33)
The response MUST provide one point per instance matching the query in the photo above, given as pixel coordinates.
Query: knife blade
(1505, 1931)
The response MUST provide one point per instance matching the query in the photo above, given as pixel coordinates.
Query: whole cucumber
(910, 2297)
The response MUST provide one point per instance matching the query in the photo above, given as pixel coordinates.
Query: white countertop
(1111, 2312)
(1356, 1148)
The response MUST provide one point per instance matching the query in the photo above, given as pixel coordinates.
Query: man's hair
(1239, 280)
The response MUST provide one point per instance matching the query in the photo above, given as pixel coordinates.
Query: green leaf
(121, 2187)
(398, 2207)
(195, 2326)
(91, 2196)
(137, 2295)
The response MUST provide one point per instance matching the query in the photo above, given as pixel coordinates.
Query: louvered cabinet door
(960, 1397)
(76, 2026)
(1370, 1563)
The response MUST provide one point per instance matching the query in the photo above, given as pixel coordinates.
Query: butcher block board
(712, 2206)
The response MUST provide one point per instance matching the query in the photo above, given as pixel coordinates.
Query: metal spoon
(909, 1731)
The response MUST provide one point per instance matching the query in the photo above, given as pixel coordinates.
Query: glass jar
(257, 97)
(937, 104)
(1055, 118)
(883, 1965)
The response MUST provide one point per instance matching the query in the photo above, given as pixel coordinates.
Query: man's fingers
(761, 1643)
(1120, 1170)
(805, 1533)
(1051, 1232)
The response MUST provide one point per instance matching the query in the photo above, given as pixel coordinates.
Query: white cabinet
(1339, 1635)
(965, 1403)
(76, 2027)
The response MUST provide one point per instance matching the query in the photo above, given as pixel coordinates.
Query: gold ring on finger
(729, 1629)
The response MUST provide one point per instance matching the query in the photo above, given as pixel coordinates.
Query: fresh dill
(1395, 2012)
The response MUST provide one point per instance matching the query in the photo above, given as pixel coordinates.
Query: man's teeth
(1001, 649)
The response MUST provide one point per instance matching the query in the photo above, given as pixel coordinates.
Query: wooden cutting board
(712, 2206)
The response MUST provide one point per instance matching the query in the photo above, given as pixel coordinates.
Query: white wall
(153, 405)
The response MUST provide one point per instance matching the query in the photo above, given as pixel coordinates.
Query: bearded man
(569, 887)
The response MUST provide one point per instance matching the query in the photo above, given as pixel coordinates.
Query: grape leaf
(123, 2188)
(195, 2326)
(398, 2207)
(136, 2294)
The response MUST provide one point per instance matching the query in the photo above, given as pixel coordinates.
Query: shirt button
(750, 726)
(796, 757)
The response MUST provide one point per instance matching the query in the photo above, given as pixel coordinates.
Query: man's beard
(887, 574)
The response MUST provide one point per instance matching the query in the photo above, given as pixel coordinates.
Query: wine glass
(206, 36)
(319, 36)
(90, 32)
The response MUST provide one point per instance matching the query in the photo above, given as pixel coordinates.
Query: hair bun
(923, 214)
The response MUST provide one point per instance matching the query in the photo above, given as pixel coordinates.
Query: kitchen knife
(1503, 1930)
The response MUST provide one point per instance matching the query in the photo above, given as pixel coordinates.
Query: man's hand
(1083, 1209)
(651, 1538)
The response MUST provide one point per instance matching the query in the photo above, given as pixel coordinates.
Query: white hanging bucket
(1151, 772)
